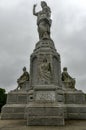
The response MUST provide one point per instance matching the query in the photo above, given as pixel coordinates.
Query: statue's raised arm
(43, 20)
(34, 12)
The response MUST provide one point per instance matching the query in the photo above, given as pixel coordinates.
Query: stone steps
(45, 120)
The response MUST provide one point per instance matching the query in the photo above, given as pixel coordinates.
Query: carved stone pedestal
(45, 109)
(45, 114)
(47, 105)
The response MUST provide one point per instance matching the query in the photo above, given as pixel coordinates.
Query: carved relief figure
(67, 78)
(43, 20)
(23, 78)
(45, 72)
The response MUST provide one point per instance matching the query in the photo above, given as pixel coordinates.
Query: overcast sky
(18, 36)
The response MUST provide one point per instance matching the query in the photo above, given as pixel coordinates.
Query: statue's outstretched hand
(34, 5)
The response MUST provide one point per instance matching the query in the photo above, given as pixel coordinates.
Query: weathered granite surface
(13, 111)
(45, 114)
(45, 77)
(15, 106)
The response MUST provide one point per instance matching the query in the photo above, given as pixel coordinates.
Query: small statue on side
(67, 79)
(23, 78)
(43, 20)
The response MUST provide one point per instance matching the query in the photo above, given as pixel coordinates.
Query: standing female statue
(43, 20)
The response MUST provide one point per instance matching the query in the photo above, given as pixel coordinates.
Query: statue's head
(45, 60)
(65, 69)
(43, 4)
(24, 69)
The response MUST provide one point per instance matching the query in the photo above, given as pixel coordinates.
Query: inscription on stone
(45, 95)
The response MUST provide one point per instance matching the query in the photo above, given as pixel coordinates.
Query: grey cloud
(18, 36)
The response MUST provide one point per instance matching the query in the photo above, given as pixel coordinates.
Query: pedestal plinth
(45, 109)
(39, 113)
(15, 106)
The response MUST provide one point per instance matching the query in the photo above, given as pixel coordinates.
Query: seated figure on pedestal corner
(23, 78)
(67, 79)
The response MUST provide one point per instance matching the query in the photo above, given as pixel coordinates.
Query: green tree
(3, 97)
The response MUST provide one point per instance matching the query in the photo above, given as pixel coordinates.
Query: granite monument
(45, 96)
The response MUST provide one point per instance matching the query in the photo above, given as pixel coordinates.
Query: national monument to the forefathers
(45, 96)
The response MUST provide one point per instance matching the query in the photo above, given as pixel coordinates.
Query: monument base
(75, 111)
(44, 114)
(75, 104)
(13, 111)
(74, 96)
(15, 107)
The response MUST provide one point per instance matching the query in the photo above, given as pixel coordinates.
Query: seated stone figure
(67, 79)
(23, 78)
(45, 72)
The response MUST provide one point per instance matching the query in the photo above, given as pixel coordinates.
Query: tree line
(3, 97)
